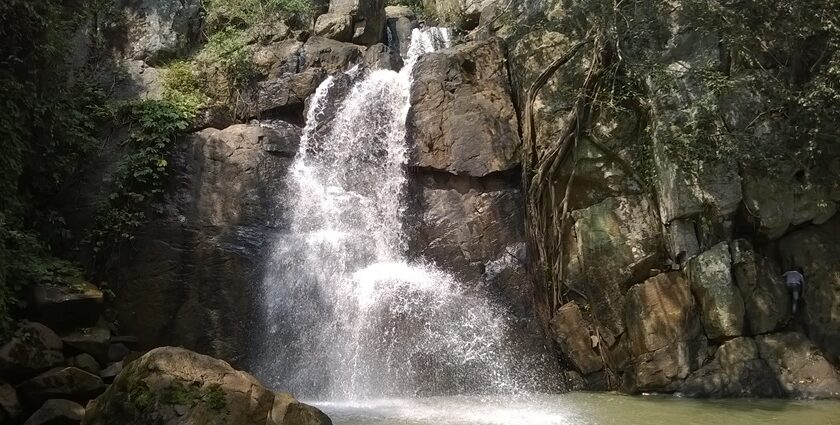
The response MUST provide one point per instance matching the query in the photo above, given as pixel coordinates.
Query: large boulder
(85, 362)
(177, 386)
(330, 55)
(463, 13)
(156, 30)
(284, 94)
(335, 26)
(67, 307)
(762, 288)
(781, 197)
(721, 305)
(736, 371)
(799, 366)
(574, 336)
(33, 348)
(10, 407)
(57, 412)
(62, 382)
(618, 243)
(278, 59)
(380, 56)
(94, 341)
(189, 279)
(816, 249)
(462, 119)
(359, 21)
(664, 333)
(400, 22)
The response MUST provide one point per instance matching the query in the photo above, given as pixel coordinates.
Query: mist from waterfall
(347, 315)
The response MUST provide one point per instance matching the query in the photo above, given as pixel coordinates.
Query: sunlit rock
(664, 333)
(721, 304)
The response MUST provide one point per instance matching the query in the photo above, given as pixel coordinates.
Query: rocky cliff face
(669, 271)
(663, 272)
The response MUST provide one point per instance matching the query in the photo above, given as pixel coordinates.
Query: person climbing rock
(794, 280)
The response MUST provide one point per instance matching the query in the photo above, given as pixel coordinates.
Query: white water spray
(348, 316)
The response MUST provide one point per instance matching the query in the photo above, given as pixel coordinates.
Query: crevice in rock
(433, 178)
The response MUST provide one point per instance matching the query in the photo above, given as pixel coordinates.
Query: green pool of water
(580, 409)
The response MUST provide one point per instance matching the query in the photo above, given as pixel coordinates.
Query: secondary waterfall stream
(348, 316)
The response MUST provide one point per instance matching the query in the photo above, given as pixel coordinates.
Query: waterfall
(347, 315)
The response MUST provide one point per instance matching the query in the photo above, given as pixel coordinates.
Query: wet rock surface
(462, 120)
(188, 281)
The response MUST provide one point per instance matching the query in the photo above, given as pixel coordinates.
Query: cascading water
(347, 315)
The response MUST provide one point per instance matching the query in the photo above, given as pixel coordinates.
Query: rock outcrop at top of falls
(175, 386)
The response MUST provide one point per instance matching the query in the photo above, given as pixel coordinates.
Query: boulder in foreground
(176, 386)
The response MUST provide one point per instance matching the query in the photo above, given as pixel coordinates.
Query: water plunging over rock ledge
(347, 313)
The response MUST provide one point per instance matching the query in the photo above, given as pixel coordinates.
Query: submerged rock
(177, 386)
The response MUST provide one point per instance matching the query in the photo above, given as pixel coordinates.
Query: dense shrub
(48, 122)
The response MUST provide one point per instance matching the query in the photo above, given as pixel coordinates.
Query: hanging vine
(547, 194)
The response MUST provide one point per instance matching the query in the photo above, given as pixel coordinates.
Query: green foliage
(414, 4)
(49, 114)
(191, 394)
(215, 74)
(779, 62)
(245, 14)
(227, 54)
(184, 87)
(138, 392)
(139, 181)
(215, 397)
